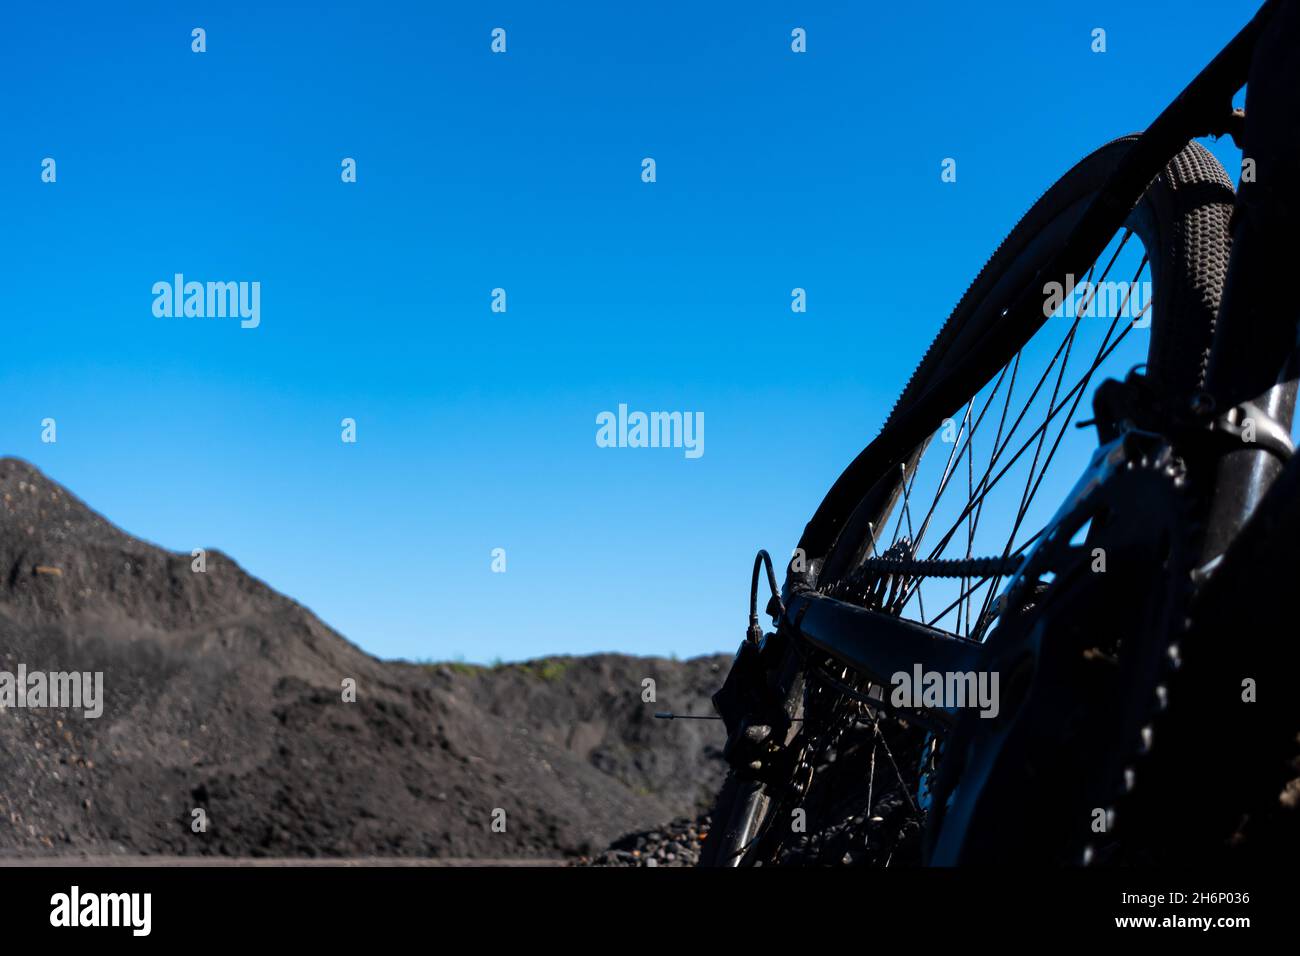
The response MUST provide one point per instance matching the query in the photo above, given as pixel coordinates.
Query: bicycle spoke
(906, 592)
(979, 511)
(947, 472)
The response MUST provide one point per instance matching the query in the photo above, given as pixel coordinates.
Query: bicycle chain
(848, 712)
(885, 583)
(944, 567)
(817, 747)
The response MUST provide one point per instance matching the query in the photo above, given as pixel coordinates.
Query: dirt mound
(222, 695)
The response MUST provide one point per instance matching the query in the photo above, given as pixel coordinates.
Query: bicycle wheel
(1018, 399)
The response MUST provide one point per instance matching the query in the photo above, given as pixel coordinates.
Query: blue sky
(522, 171)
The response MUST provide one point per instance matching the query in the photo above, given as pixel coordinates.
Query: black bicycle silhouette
(1119, 628)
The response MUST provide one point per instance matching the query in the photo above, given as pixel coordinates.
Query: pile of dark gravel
(223, 695)
(677, 844)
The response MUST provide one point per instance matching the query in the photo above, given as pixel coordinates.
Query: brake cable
(755, 633)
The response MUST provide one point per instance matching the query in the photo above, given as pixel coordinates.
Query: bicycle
(1106, 643)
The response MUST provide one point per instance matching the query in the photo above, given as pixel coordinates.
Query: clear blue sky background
(476, 430)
